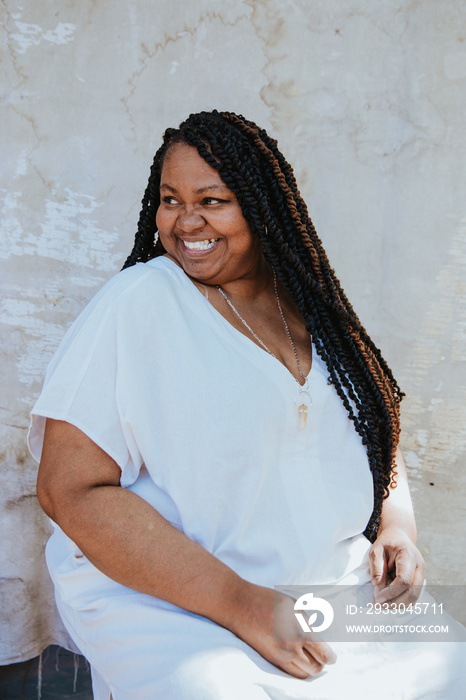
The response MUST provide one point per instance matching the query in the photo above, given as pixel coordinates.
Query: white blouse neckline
(239, 335)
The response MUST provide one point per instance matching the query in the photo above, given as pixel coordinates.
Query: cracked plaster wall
(367, 101)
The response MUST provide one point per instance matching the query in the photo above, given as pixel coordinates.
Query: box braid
(250, 164)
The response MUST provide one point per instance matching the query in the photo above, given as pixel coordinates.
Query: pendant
(303, 403)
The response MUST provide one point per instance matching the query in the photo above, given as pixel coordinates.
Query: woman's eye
(207, 201)
(212, 200)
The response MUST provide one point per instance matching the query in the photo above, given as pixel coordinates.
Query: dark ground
(64, 675)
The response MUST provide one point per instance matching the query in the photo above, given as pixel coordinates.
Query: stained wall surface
(367, 100)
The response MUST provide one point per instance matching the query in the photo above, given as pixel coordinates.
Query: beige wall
(368, 101)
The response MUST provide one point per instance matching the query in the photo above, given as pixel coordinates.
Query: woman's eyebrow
(209, 188)
(201, 190)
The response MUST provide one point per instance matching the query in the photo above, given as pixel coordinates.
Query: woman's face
(200, 222)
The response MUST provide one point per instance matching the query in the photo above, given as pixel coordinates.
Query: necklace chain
(235, 310)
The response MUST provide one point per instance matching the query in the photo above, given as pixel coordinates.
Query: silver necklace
(303, 401)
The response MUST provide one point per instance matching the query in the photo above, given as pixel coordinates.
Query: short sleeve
(82, 384)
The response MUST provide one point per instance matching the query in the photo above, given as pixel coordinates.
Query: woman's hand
(396, 567)
(266, 621)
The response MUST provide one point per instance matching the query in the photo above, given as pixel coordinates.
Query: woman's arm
(129, 541)
(396, 563)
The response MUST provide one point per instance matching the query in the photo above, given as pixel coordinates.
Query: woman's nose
(190, 219)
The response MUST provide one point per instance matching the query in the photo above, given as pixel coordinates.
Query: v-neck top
(204, 426)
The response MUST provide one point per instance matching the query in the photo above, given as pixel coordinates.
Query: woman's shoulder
(159, 273)
(143, 283)
(133, 299)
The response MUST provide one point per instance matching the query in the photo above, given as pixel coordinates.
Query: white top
(156, 376)
(153, 374)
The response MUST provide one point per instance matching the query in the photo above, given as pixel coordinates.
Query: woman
(199, 449)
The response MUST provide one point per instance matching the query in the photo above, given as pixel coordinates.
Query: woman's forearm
(133, 544)
(396, 565)
(397, 509)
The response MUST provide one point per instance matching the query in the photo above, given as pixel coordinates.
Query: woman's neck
(252, 285)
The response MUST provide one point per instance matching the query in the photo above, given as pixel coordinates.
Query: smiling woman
(201, 224)
(217, 422)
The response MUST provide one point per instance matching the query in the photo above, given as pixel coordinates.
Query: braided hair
(250, 164)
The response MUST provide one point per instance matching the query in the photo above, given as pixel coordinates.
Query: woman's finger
(378, 565)
(309, 663)
(409, 576)
(321, 651)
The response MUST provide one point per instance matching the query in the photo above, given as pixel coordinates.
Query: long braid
(250, 164)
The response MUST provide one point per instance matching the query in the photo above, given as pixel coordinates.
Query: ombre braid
(250, 164)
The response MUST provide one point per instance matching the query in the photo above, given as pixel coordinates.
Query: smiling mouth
(200, 245)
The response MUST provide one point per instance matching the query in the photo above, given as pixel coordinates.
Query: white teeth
(200, 245)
